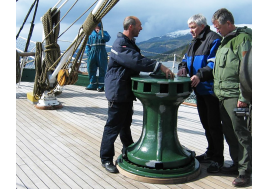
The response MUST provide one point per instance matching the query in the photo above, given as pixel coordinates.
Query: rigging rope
(77, 19)
(26, 17)
(88, 26)
(31, 27)
(52, 50)
(18, 67)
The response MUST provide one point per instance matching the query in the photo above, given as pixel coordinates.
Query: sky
(157, 17)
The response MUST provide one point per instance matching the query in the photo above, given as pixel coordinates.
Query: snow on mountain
(172, 42)
(179, 33)
(242, 25)
(237, 25)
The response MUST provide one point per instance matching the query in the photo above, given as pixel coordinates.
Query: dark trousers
(237, 136)
(118, 122)
(208, 109)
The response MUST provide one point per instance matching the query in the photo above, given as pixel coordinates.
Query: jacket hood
(239, 30)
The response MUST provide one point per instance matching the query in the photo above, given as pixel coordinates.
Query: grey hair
(222, 16)
(199, 19)
(130, 20)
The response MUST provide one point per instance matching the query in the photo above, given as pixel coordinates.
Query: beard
(135, 33)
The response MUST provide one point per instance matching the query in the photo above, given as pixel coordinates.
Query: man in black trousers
(125, 61)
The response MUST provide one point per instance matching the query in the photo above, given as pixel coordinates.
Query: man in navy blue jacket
(125, 61)
(198, 62)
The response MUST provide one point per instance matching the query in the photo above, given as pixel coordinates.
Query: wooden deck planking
(98, 164)
(22, 177)
(57, 157)
(40, 162)
(68, 141)
(38, 171)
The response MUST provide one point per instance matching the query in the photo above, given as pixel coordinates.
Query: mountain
(166, 44)
(164, 47)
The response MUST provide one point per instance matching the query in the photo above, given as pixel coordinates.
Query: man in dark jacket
(198, 62)
(125, 61)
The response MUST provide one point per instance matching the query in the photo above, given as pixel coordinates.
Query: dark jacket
(199, 59)
(125, 61)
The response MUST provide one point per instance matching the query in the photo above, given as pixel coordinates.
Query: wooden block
(31, 98)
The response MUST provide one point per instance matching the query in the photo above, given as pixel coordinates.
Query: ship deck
(60, 148)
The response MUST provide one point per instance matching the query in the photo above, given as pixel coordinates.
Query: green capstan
(158, 152)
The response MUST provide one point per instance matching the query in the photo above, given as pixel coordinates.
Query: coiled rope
(52, 50)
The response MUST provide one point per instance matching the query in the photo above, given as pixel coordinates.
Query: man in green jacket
(234, 45)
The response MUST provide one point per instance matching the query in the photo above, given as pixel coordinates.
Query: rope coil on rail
(52, 52)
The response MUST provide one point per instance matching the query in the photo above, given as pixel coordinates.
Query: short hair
(130, 20)
(222, 16)
(199, 19)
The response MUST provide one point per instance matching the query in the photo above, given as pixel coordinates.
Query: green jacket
(227, 63)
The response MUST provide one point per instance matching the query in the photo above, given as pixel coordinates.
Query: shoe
(100, 89)
(214, 167)
(203, 158)
(241, 180)
(232, 169)
(91, 87)
(110, 167)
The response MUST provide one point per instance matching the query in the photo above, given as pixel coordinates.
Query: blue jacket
(95, 41)
(199, 59)
(125, 61)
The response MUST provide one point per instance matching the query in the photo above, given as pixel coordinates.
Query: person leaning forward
(125, 61)
(198, 61)
(234, 45)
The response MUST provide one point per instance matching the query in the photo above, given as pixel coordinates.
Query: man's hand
(194, 81)
(182, 72)
(167, 72)
(241, 104)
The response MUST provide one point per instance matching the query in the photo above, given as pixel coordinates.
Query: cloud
(157, 17)
(161, 17)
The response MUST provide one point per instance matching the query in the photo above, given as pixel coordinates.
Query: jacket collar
(228, 37)
(231, 34)
(203, 33)
(236, 31)
(121, 35)
(132, 41)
